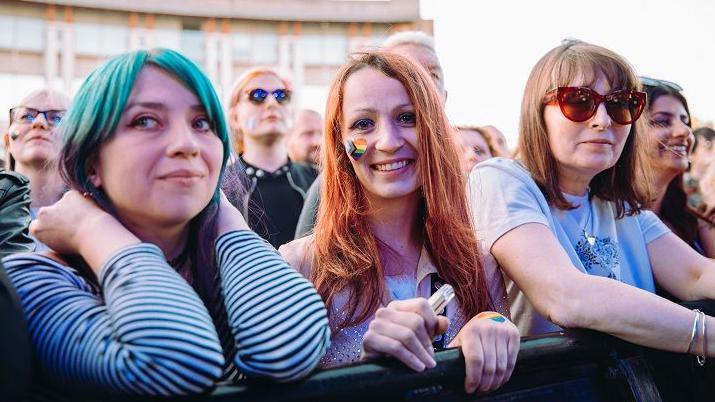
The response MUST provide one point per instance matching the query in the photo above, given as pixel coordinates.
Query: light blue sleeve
(652, 226)
(501, 198)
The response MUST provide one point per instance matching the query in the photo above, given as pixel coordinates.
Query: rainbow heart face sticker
(356, 148)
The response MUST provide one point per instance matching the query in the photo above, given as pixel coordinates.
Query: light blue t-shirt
(503, 196)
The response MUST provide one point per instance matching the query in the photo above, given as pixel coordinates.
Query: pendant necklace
(590, 238)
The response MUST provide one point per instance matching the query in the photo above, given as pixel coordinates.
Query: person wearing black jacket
(15, 352)
(259, 115)
(14, 213)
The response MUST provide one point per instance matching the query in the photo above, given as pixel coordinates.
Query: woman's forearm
(277, 318)
(629, 313)
(148, 333)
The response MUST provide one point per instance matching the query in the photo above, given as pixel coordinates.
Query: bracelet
(692, 334)
(702, 359)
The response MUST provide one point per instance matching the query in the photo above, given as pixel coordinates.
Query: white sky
(487, 48)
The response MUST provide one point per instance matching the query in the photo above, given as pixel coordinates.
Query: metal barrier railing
(571, 365)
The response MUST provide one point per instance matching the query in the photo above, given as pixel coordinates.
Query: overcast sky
(487, 48)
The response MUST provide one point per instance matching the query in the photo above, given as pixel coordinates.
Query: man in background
(305, 137)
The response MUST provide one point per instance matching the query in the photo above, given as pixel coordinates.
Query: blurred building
(57, 43)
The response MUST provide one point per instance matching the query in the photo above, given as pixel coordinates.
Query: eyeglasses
(259, 95)
(27, 115)
(654, 82)
(580, 103)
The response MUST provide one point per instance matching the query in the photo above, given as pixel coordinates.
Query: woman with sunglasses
(671, 141)
(393, 225)
(566, 221)
(33, 144)
(259, 113)
(156, 286)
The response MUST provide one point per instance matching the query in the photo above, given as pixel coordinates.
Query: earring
(356, 148)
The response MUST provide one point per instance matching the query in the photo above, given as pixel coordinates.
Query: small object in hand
(441, 298)
(491, 315)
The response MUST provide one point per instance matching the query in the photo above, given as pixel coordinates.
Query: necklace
(590, 238)
(603, 252)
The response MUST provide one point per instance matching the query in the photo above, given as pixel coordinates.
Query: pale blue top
(503, 196)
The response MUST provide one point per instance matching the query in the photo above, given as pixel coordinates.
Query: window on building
(168, 38)
(323, 49)
(265, 48)
(22, 33)
(30, 33)
(241, 46)
(7, 32)
(94, 39)
(192, 41)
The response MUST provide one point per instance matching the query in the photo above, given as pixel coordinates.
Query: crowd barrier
(573, 365)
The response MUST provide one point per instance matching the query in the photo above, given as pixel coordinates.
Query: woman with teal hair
(155, 285)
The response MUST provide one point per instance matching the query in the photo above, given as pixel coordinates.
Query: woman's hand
(63, 225)
(229, 218)
(490, 344)
(76, 225)
(404, 330)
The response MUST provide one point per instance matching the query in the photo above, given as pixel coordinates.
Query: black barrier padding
(573, 365)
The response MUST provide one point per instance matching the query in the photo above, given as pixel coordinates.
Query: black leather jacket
(14, 214)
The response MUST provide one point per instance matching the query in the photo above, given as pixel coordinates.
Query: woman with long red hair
(393, 225)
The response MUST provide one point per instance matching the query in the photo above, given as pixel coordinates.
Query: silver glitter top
(346, 343)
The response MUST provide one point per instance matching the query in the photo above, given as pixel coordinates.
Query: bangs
(584, 68)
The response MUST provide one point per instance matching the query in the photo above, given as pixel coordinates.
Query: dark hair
(674, 209)
(706, 133)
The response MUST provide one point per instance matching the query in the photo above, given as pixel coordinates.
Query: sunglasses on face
(27, 115)
(580, 103)
(259, 95)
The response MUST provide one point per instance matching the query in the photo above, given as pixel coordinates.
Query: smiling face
(377, 108)
(35, 142)
(671, 137)
(269, 118)
(584, 149)
(162, 165)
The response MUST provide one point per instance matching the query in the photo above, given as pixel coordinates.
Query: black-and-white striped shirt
(146, 331)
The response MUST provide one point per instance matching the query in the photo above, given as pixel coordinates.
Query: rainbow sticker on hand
(490, 315)
(356, 148)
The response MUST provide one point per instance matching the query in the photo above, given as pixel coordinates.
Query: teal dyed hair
(98, 106)
(92, 120)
